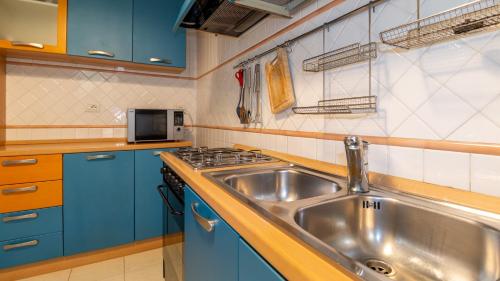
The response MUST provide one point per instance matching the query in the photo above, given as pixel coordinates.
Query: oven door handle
(164, 196)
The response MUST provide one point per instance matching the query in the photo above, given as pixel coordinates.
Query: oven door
(173, 222)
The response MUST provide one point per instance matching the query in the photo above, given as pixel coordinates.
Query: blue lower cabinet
(251, 266)
(30, 249)
(210, 253)
(29, 223)
(98, 200)
(148, 202)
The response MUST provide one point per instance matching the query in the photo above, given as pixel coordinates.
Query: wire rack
(344, 56)
(475, 16)
(365, 104)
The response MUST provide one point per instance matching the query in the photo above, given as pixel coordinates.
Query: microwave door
(151, 125)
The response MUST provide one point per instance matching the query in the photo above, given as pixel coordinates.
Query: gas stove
(205, 158)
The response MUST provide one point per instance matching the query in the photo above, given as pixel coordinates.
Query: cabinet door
(98, 206)
(148, 203)
(251, 266)
(101, 29)
(155, 42)
(33, 25)
(209, 254)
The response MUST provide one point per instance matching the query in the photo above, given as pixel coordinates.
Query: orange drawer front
(20, 169)
(27, 196)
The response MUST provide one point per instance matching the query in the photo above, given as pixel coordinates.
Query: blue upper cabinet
(98, 209)
(148, 202)
(251, 266)
(210, 252)
(155, 41)
(100, 29)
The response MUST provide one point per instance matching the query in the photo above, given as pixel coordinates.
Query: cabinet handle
(157, 153)
(160, 60)
(20, 189)
(100, 157)
(27, 44)
(20, 245)
(7, 163)
(207, 224)
(20, 217)
(100, 53)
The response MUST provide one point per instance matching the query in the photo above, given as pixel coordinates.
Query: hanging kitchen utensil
(279, 82)
(243, 110)
(240, 77)
(258, 98)
(249, 87)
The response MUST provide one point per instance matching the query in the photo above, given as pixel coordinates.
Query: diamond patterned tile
(444, 112)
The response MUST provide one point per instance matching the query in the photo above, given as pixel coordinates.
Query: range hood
(230, 17)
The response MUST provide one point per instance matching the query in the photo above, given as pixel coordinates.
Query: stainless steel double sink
(379, 235)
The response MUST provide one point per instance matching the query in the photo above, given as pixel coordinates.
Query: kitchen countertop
(77, 147)
(289, 255)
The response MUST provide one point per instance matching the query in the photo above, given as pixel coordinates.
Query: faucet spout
(357, 164)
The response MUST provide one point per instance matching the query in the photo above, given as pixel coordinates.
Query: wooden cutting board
(279, 82)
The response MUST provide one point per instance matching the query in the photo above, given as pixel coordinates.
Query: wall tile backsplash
(446, 91)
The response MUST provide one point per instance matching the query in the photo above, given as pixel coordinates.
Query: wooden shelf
(124, 66)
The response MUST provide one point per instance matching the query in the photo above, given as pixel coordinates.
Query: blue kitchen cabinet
(209, 254)
(251, 266)
(100, 29)
(30, 223)
(98, 209)
(148, 202)
(154, 40)
(30, 249)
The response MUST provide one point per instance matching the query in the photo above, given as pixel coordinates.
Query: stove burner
(203, 157)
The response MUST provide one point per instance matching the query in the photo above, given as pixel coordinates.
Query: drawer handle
(20, 189)
(8, 163)
(207, 224)
(20, 217)
(27, 44)
(100, 157)
(100, 53)
(160, 60)
(157, 153)
(20, 245)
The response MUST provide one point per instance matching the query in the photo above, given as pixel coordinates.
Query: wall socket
(94, 107)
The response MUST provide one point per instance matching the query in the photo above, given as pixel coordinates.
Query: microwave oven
(148, 125)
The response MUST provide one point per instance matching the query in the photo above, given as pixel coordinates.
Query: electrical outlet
(94, 107)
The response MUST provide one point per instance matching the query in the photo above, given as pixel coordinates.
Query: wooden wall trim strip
(62, 126)
(98, 69)
(3, 94)
(287, 28)
(63, 141)
(456, 146)
(62, 263)
(66, 58)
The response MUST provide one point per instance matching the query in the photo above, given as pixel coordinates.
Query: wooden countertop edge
(290, 256)
(54, 148)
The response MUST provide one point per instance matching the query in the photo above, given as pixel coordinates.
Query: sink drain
(380, 267)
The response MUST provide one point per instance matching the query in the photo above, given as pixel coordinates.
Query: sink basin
(402, 241)
(285, 184)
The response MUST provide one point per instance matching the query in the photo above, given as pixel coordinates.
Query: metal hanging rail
(287, 43)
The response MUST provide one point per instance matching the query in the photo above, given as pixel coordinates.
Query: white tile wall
(57, 96)
(447, 91)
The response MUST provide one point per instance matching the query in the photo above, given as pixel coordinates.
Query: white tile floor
(145, 266)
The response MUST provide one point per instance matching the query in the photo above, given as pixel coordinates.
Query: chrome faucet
(357, 164)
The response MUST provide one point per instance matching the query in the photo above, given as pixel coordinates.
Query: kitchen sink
(379, 235)
(404, 241)
(286, 184)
